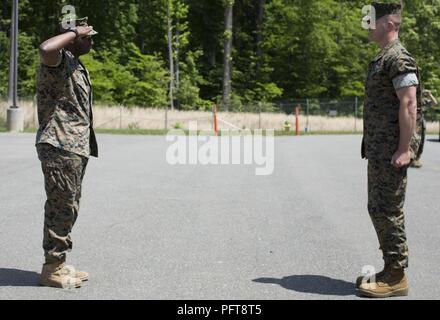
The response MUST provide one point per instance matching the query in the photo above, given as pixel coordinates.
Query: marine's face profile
(386, 25)
(377, 33)
(84, 45)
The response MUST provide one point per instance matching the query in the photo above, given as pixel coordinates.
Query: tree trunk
(260, 23)
(142, 38)
(171, 55)
(227, 84)
(13, 66)
(177, 56)
(57, 12)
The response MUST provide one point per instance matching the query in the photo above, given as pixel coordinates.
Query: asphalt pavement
(151, 230)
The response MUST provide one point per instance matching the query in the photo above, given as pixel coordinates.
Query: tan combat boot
(82, 275)
(391, 283)
(58, 276)
(416, 164)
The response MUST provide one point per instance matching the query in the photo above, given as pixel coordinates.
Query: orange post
(297, 110)
(214, 110)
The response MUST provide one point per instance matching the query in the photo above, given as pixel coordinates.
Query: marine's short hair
(385, 9)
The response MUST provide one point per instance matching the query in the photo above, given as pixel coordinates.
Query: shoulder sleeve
(403, 71)
(59, 71)
(401, 65)
(60, 60)
(405, 80)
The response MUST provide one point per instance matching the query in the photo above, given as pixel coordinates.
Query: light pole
(15, 119)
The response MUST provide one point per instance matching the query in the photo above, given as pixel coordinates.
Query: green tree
(282, 49)
(142, 82)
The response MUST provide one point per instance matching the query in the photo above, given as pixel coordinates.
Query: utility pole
(15, 119)
(307, 115)
(171, 53)
(227, 71)
(355, 114)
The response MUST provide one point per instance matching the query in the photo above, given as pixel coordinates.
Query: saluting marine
(65, 141)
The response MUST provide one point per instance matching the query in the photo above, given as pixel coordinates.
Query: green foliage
(188, 93)
(112, 83)
(141, 82)
(421, 35)
(4, 65)
(150, 87)
(28, 61)
(317, 48)
(300, 49)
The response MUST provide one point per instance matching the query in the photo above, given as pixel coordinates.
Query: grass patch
(316, 133)
(161, 132)
(152, 132)
(2, 123)
(146, 132)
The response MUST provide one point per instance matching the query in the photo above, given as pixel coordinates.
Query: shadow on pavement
(433, 140)
(313, 284)
(18, 278)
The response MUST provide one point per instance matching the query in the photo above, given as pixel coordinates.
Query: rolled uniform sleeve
(403, 72)
(55, 74)
(405, 80)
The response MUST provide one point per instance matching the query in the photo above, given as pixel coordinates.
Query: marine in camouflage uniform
(386, 184)
(392, 69)
(65, 141)
(427, 101)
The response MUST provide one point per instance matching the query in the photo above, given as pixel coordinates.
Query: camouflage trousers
(421, 131)
(63, 174)
(386, 198)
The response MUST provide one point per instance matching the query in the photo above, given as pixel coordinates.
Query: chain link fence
(314, 116)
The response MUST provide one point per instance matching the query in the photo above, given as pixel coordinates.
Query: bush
(142, 82)
(188, 94)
